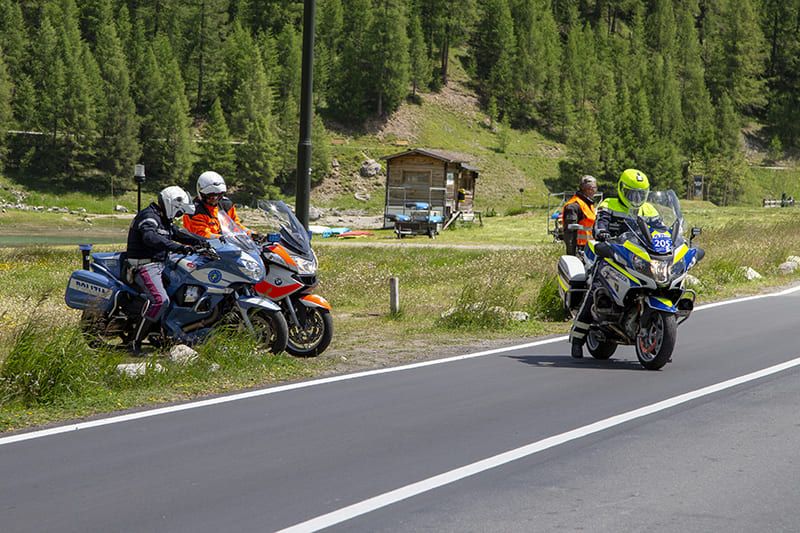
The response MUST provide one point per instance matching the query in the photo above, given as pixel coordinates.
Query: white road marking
(283, 388)
(415, 489)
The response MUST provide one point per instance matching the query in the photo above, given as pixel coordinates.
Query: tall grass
(46, 364)
(482, 306)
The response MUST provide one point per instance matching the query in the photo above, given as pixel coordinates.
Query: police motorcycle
(207, 288)
(640, 298)
(291, 279)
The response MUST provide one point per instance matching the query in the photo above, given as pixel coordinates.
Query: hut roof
(444, 155)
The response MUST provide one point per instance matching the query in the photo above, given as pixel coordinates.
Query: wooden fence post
(394, 295)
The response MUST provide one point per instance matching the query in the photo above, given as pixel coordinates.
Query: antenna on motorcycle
(138, 176)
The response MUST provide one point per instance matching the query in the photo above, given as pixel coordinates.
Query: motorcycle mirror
(604, 250)
(695, 232)
(273, 237)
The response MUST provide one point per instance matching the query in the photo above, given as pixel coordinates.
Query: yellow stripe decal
(622, 270)
(680, 252)
(664, 301)
(561, 282)
(638, 252)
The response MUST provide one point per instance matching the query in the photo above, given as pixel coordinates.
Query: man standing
(579, 209)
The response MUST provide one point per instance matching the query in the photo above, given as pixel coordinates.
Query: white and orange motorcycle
(290, 279)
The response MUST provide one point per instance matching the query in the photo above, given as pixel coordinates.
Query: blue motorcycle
(206, 289)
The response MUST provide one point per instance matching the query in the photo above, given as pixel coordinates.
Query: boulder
(788, 267)
(751, 274)
(134, 370)
(120, 208)
(519, 316)
(182, 355)
(692, 281)
(362, 196)
(370, 168)
(314, 213)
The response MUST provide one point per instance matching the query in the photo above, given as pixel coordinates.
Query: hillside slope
(451, 120)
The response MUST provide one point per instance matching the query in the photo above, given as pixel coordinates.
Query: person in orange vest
(210, 199)
(580, 209)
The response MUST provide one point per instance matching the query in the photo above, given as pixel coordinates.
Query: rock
(137, 369)
(120, 208)
(793, 259)
(214, 367)
(314, 213)
(751, 274)
(692, 281)
(788, 267)
(362, 196)
(370, 168)
(182, 355)
(519, 316)
(335, 163)
(82, 210)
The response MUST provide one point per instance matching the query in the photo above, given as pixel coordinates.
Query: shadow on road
(565, 361)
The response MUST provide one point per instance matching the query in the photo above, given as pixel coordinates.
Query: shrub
(549, 305)
(47, 363)
(482, 306)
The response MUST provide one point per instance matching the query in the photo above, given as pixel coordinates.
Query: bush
(549, 305)
(482, 306)
(47, 363)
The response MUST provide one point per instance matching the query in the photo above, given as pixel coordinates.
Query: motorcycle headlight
(660, 270)
(305, 266)
(252, 269)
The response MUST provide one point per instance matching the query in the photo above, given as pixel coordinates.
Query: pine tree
(290, 54)
(6, 115)
(665, 98)
(320, 153)
(388, 42)
(206, 28)
(48, 83)
(419, 65)
(118, 147)
(698, 133)
(735, 52)
(216, 151)
(350, 81)
(13, 39)
(239, 54)
(256, 170)
(493, 50)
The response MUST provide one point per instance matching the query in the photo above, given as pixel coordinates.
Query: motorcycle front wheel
(600, 349)
(656, 340)
(270, 328)
(314, 338)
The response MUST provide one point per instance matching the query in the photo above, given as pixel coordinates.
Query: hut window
(411, 177)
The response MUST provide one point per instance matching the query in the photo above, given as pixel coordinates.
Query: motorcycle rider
(579, 209)
(633, 188)
(150, 238)
(210, 199)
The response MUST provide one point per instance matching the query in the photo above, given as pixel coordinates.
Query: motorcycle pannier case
(571, 281)
(90, 290)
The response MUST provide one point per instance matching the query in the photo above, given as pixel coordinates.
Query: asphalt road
(723, 461)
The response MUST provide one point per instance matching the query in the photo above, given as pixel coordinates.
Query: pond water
(56, 239)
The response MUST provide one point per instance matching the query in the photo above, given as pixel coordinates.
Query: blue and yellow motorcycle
(639, 298)
(206, 289)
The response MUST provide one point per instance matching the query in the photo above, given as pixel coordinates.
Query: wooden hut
(444, 180)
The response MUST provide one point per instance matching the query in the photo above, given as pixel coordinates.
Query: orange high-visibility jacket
(587, 222)
(204, 221)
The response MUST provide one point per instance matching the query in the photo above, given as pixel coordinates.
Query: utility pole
(302, 199)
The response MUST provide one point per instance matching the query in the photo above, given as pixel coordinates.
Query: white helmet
(175, 202)
(209, 182)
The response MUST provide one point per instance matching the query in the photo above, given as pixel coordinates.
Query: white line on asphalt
(415, 489)
(301, 385)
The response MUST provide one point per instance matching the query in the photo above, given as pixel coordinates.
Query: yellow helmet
(633, 188)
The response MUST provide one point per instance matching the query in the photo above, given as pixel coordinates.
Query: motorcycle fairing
(661, 304)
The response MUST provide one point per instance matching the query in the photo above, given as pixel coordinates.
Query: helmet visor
(635, 197)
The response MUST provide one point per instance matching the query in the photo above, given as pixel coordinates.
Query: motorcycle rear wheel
(270, 328)
(656, 340)
(315, 337)
(599, 349)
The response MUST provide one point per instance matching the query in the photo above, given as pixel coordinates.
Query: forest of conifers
(90, 87)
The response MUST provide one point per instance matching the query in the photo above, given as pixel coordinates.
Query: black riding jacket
(152, 235)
